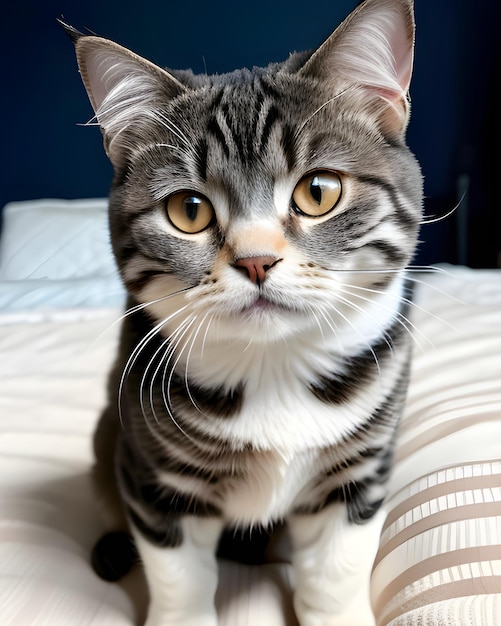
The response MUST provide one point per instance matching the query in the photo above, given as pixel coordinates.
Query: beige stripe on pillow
(441, 548)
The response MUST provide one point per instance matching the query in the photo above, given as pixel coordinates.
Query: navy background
(454, 124)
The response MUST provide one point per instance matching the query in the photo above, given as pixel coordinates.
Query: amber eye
(317, 193)
(188, 212)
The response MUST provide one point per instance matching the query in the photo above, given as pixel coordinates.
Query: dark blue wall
(46, 153)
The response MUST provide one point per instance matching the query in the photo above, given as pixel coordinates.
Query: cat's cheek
(159, 294)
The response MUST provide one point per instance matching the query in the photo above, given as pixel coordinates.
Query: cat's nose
(256, 267)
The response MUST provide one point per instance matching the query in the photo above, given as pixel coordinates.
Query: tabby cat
(262, 221)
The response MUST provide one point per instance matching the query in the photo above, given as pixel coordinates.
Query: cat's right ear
(123, 88)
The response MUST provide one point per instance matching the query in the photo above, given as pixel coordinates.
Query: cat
(262, 221)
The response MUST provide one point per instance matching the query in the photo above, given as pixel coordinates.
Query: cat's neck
(259, 365)
(316, 346)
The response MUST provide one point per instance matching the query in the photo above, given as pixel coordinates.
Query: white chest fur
(268, 492)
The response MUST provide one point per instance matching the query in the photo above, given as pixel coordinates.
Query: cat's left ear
(371, 55)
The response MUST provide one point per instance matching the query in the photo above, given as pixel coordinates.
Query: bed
(439, 558)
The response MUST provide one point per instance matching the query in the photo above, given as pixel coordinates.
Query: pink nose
(256, 267)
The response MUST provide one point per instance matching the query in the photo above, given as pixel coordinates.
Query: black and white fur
(264, 360)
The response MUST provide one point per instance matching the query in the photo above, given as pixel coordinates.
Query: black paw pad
(113, 556)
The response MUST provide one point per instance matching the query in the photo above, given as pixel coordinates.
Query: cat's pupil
(191, 206)
(316, 190)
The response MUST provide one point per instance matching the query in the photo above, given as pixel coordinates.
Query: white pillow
(56, 253)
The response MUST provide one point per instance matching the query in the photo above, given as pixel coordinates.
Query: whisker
(168, 145)
(440, 218)
(167, 387)
(173, 128)
(353, 326)
(436, 289)
(314, 311)
(205, 336)
(308, 120)
(187, 324)
(359, 309)
(166, 342)
(421, 269)
(134, 309)
(188, 356)
(404, 321)
(408, 301)
(137, 351)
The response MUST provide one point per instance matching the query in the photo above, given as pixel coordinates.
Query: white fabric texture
(439, 560)
(56, 253)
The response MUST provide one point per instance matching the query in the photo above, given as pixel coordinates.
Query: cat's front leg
(332, 559)
(182, 580)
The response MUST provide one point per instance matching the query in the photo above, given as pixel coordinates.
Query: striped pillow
(439, 560)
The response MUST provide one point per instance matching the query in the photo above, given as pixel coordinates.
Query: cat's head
(265, 199)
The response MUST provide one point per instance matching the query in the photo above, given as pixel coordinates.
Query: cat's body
(261, 222)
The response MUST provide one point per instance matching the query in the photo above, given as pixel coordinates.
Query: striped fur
(243, 400)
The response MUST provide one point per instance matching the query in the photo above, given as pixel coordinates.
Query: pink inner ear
(372, 48)
(403, 54)
(95, 77)
(96, 65)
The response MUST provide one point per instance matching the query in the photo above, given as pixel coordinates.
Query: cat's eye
(188, 212)
(316, 194)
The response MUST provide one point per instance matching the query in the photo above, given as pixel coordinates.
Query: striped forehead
(245, 125)
(247, 146)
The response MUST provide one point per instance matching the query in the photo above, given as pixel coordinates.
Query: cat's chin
(263, 322)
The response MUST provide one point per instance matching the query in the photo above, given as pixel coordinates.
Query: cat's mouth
(262, 304)
(258, 304)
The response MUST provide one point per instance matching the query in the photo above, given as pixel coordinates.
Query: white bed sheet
(52, 382)
(52, 387)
